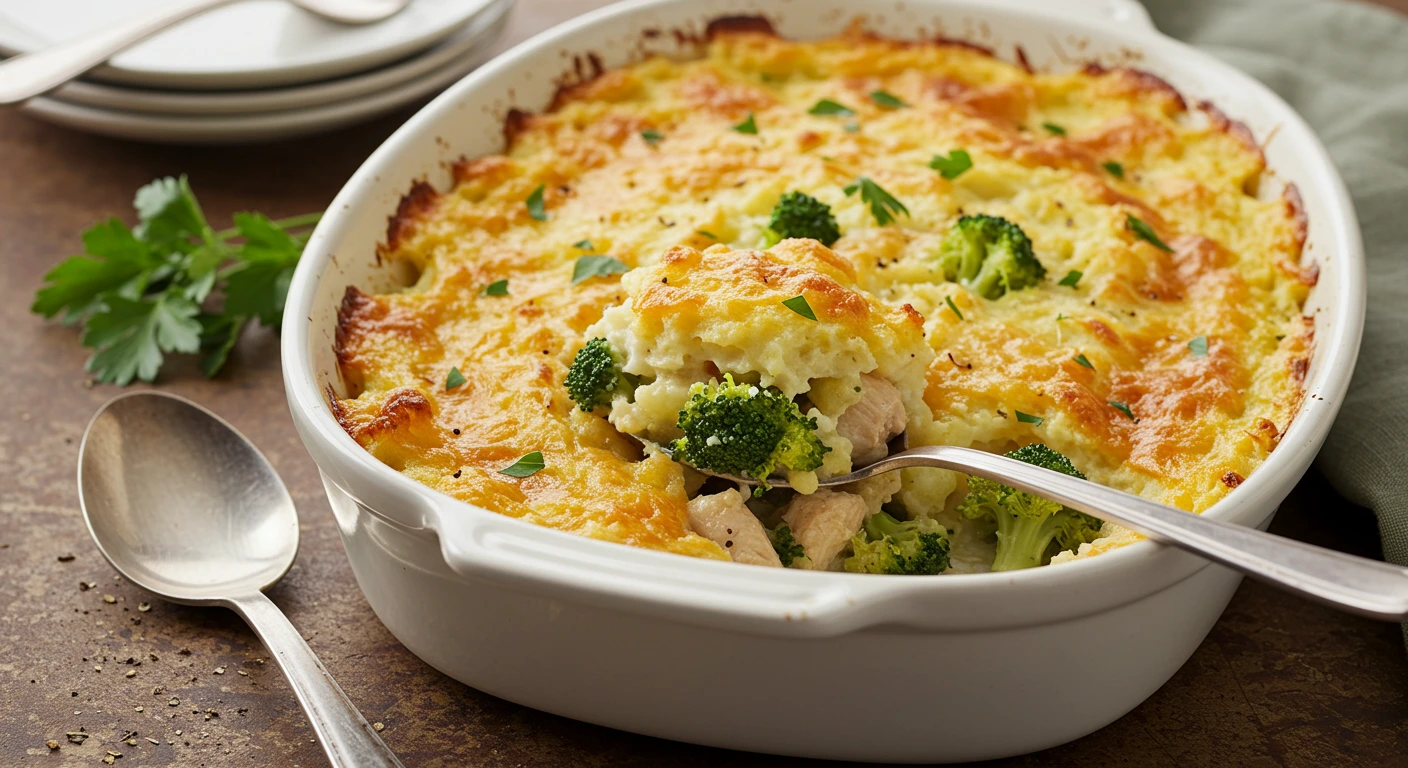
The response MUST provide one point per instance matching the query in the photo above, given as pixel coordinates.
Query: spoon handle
(1355, 584)
(32, 74)
(346, 736)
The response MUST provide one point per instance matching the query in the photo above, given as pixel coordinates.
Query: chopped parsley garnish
(1145, 232)
(535, 204)
(883, 205)
(1027, 418)
(1054, 129)
(1199, 346)
(707, 234)
(952, 166)
(749, 126)
(799, 305)
(528, 465)
(454, 379)
(142, 293)
(651, 136)
(887, 100)
(1122, 408)
(1114, 168)
(829, 108)
(496, 288)
(949, 300)
(588, 267)
(1071, 278)
(1081, 360)
(583, 245)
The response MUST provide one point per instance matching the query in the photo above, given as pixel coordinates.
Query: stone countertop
(1279, 681)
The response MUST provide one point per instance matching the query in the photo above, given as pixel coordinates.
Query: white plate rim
(246, 129)
(467, 38)
(14, 38)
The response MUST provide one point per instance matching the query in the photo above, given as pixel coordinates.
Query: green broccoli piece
(789, 551)
(798, 214)
(594, 375)
(989, 256)
(1028, 525)
(886, 545)
(745, 431)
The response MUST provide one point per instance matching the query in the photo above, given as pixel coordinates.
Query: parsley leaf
(827, 107)
(496, 288)
(1145, 232)
(257, 285)
(529, 464)
(535, 204)
(1072, 278)
(799, 305)
(952, 166)
(949, 300)
(1027, 418)
(1199, 346)
(139, 292)
(454, 379)
(588, 267)
(130, 336)
(1114, 168)
(651, 136)
(583, 245)
(1054, 129)
(887, 100)
(1122, 408)
(1081, 360)
(707, 234)
(749, 126)
(883, 205)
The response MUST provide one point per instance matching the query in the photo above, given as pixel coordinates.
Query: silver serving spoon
(31, 74)
(1354, 584)
(185, 507)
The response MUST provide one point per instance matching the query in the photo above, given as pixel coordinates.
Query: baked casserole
(781, 256)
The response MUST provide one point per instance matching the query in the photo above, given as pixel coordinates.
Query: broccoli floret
(989, 255)
(798, 214)
(745, 431)
(886, 545)
(594, 375)
(788, 550)
(1028, 525)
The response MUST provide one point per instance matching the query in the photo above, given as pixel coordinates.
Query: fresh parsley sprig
(142, 293)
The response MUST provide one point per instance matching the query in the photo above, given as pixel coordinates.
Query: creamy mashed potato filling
(1161, 350)
(695, 316)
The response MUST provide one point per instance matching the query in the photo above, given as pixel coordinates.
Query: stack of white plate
(252, 71)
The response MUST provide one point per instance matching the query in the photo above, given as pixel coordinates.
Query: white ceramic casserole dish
(782, 661)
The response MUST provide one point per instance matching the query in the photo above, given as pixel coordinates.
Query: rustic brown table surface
(1278, 681)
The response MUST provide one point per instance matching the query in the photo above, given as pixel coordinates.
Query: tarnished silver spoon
(185, 507)
(1354, 584)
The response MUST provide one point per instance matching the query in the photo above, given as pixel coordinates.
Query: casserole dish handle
(790, 604)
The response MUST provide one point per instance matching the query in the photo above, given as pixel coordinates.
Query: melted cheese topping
(648, 158)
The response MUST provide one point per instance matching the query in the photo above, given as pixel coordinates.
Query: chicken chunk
(823, 522)
(723, 519)
(871, 423)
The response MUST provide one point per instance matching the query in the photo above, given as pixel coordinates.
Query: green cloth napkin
(1344, 67)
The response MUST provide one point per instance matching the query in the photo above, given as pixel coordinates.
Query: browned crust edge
(414, 204)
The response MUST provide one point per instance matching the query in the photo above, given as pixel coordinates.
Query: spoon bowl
(185, 507)
(180, 508)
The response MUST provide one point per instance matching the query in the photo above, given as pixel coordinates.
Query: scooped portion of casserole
(773, 260)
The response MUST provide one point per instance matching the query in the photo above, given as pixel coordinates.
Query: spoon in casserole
(185, 507)
(1354, 584)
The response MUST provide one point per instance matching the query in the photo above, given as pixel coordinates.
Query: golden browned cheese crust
(643, 164)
